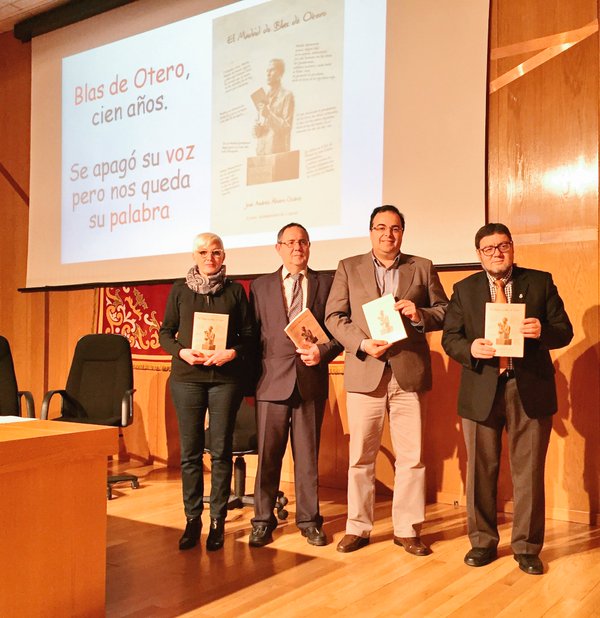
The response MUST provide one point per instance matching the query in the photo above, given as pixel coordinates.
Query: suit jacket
(355, 284)
(281, 367)
(465, 321)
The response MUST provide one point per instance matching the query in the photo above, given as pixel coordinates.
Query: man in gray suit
(518, 394)
(292, 388)
(386, 378)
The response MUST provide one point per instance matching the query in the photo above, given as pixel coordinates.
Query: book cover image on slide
(277, 98)
(209, 332)
(304, 330)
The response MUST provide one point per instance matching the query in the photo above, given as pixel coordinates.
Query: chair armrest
(29, 404)
(127, 408)
(46, 402)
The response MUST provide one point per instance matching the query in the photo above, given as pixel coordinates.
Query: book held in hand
(385, 323)
(502, 327)
(304, 330)
(259, 96)
(210, 332)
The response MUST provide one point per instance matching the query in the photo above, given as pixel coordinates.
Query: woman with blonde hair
(204, 380)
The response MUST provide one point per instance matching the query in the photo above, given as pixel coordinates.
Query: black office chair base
(239, 502)
(121, 478)
(239, 499)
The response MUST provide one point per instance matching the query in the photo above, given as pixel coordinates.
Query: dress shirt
(387, 277)
(288, 284)
(507, 286)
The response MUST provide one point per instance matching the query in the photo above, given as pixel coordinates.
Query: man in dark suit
(518, 394)
(386, 379)
(292, 388)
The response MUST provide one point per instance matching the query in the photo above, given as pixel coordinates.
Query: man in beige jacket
(384, 378)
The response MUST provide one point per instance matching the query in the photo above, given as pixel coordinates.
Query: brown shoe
(351, 542)
(413, 545)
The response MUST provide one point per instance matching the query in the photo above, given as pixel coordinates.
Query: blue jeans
(192, 399)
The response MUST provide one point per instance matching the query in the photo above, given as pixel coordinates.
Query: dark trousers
(301, 420)
(528, 440)
(191, 400)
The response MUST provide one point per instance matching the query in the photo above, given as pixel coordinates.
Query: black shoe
(530, 564)
(261, 535)
(314, 535)
(216, 534)
(191, 534)
(480, 556)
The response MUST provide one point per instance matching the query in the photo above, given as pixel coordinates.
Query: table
(53, 518)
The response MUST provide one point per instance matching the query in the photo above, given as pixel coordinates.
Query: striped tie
(296, 299)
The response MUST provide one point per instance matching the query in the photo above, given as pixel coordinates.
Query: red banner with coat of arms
(136, 312)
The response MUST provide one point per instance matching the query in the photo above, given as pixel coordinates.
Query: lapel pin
(520, 295)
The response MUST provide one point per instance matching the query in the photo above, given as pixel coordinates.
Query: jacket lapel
(406, 274)
(366, 274)
(276, 292)
(312, 285)
(520, 285)
(481, 295)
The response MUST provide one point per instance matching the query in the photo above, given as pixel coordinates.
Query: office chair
(99, 389)
(245, 442)
(11, 398)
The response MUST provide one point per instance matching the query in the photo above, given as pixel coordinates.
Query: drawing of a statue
(384, 321)
(504, 332)
(209, 339)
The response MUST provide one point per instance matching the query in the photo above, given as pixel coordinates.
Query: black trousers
(528, 440)
(192, 399)
(301, 421)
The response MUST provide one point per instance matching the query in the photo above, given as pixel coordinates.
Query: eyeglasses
(394, 229)
(290, 244)
(503, 247)
(217, 253)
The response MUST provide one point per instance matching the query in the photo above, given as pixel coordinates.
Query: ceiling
(13, 11)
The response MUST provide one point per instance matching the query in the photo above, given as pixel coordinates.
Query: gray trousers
(301, 421)
(528, 440)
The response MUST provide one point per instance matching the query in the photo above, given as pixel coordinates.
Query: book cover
(259, 96)
(385, 323)
(502, 327)
(209, 332)
(294, 154)
(304, 330)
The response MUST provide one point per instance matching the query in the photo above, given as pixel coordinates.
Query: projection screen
(147, 129)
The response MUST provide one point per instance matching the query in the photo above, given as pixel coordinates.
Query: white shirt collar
(285, 272)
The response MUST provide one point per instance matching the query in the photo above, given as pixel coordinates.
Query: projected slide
(235, 121)
(155, 121)
(277, 107)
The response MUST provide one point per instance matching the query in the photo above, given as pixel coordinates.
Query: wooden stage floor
(147, 576)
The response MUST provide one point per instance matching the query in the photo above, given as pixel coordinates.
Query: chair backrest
(9, 398)
(245, 439)
(101, 372)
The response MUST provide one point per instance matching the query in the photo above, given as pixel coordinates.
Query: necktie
(296, 299)
(501, 298)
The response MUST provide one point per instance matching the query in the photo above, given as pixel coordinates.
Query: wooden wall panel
(22, 317)
(543, 172)
(543, 183)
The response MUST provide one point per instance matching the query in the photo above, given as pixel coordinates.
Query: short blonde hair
(207, 238)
